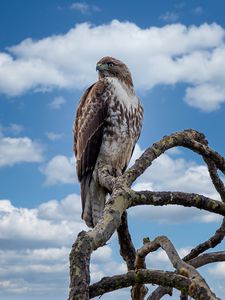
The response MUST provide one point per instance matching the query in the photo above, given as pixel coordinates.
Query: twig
(207, 258)
(127, 250)
(210, 243)
(218, 183)
(160, 292)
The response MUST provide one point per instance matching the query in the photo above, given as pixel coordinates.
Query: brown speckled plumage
(107, 125)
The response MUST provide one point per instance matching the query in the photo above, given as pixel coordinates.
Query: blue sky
(48, 52)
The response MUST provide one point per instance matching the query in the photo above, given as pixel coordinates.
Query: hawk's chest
(122, 110)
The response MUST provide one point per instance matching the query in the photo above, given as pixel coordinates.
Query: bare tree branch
(196, 262)
(79, 267)
(127, 250)
(122, 197)
(207, 258)
(139, 291)
(220, 233)
(210, 243)
(160, 292)
(218, 183)
(178, 198)
(192, 287)
(128, 253)
(188, 138)
(181, 267)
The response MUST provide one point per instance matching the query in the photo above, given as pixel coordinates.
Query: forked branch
(188, 281)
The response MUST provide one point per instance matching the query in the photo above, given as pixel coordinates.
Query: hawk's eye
(110, 64)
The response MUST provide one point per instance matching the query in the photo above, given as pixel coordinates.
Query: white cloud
(159, 259)
(174, 53)
(218, 270)
(207, 97)
(84, 8)
(51, 228)
(57, 102)
(35, 247)
(18, 150)
(60, 169)
(172, 214)
(13, 286)
(67, 208)
(54, 136)
(53, 222)
(101, 255)
(169, 173)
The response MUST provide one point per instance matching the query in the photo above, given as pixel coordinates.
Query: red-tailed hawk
(107, 126)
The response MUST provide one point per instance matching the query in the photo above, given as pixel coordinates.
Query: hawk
(107, 126)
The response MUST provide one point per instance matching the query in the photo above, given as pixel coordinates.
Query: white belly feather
(120, 134)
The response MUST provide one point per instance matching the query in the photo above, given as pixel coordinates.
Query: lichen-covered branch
(178, 198)
(127, 250)
(220, 232)
(210, 243)
(180, 282)
(191, 139)
(160, 292)
(196, 262)
(207, 258)
(218, 183)
(79, 267)
(139, 291)
(122, 197)
(181, 267)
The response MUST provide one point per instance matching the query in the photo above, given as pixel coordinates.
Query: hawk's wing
(88, 132)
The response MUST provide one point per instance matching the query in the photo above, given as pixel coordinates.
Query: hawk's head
(112, 67)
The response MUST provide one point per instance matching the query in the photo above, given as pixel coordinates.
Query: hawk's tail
(93, 198)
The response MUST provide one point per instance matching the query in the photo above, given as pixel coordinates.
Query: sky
(48, 53)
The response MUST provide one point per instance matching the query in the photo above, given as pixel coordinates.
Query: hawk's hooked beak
(102, 67)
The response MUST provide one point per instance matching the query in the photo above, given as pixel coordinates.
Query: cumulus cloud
(172, 173)
(18, 150)
(53, 222)
(35, 247)
(171, 54)
(68, 208)
(207, 97)
(60, 170)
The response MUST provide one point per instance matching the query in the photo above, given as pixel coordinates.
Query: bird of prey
(106, 128)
